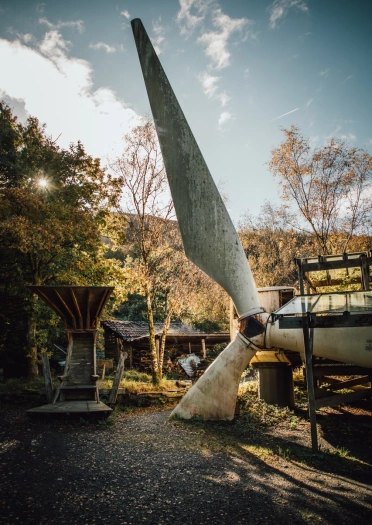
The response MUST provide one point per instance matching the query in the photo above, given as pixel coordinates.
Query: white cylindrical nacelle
(347, 345)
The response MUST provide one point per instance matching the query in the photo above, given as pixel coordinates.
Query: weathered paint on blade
(209, 237)
(213, 396)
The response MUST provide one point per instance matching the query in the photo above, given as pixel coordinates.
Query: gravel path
(145, 469)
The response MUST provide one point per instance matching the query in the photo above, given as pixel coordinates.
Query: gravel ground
(146, 469)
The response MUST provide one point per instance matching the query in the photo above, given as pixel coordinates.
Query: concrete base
(276, 384)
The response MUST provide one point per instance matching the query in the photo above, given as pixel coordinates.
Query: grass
(18, 386)
(136, 382)
(254, 412)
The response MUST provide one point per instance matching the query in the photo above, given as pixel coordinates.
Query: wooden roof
(79, 306)
(136, 330)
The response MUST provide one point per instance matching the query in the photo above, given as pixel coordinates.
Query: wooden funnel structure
(80, 308)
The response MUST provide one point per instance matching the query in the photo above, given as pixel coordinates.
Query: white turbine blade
(214, 394)
(209, 237)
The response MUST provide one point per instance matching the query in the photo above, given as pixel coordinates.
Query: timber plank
(340, 399)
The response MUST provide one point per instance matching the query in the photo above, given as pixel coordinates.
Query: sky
(241, 70)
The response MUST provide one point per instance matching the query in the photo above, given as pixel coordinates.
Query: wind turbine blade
(209, 237)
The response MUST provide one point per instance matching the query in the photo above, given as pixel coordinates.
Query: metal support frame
(329, 262)
(308, 344)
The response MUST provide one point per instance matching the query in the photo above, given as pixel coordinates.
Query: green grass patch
(136, 382)
(19, 386)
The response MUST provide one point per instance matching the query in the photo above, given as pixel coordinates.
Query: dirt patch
(143, 468)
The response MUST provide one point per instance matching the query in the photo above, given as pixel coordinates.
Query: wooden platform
(72, 407)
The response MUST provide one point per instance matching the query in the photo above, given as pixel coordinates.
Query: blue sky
(240, 70)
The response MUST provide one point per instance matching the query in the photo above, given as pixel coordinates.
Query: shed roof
(132, 330)
(137, 330)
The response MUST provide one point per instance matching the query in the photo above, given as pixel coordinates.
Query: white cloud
(349, 137)
(158, 40)
(280, 8)
(216, 42)
(336, 133)
(125, 13)
(223, 98)
(58, 90)
(78, 24)
(189, 21)
(210, 88)
(224, 118)
(324, 73)
(209, 83)
(246, 72)
(310, 101)
(102, 45)
(27, 38)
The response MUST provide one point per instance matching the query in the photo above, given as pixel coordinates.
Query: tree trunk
(163, 340)
(150, 319)
(33, 370)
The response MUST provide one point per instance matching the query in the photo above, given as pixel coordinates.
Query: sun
(43, 183)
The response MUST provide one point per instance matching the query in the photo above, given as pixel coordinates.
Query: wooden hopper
(80, 308)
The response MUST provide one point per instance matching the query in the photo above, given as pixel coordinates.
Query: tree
(149, 210)
(55, 205)
(271, 244)
(169, 282)
(329, 186)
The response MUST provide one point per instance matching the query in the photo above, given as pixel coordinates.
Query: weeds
(16, 386)
(284, 453)
(294, 422)
(256, 412)
(341, 452)
(138, 382)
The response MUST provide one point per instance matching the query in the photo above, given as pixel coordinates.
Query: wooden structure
(330, 310)
(306, 265)
(133, 337)
(80, 308)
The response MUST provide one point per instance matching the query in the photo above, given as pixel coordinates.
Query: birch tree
(330, 186)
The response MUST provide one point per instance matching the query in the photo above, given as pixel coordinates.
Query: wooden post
(157, 344)
(47, 377)
(204, 349)
(117, 379)
(365, 272)
(308, 344)
(189, 347)
(103, 371)
(300, 276)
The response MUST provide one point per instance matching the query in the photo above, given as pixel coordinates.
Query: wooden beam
(340, 399)
(339, 385)
(81, 325)
(67, 308)
(335, 265)
(117, 379)
(88, 309)
(47, 377)
(340, 370)
(204, 349)
(104, 299)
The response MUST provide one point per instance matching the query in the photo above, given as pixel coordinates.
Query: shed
(133, 337)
